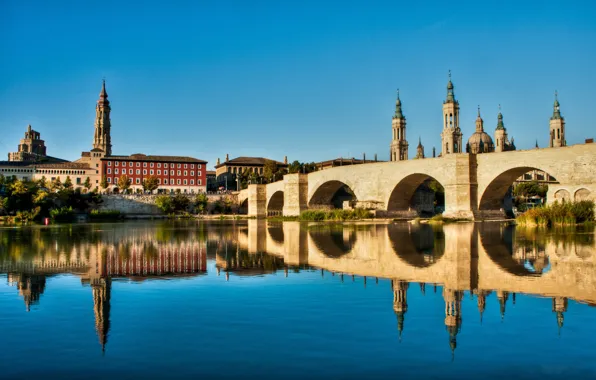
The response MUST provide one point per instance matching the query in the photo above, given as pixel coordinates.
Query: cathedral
(451, 135)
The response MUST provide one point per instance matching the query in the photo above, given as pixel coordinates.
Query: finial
(499, 108)
(479, 110)
(556, 94)
(398, 93)
(449, 74)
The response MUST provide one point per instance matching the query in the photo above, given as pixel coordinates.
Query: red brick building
(187, 174)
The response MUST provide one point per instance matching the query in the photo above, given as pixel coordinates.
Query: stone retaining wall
(145, 204)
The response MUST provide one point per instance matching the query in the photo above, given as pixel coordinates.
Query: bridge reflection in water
(478, 258)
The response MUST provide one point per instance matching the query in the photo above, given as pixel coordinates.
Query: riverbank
(558, 214)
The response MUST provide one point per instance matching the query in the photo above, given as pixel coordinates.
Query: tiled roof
(344, 161)
(143, 157)
(249, 161)
(48, 165)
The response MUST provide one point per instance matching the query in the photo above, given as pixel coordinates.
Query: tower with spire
(451, 137)
(399, 144)
(557, 126)
(502, 143)
(480, 141)
(453, 318)
(420, 149)
(102, 138)
(400, 303)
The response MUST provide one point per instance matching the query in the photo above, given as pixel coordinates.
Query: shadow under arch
(333, 240)
(276, 232)
(403, 194)
(494, 194)
(331, 194)
(243, 208)
(419, 245)
(276, 202)
(498, 242)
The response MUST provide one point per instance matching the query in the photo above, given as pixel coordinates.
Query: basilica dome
(480, 141)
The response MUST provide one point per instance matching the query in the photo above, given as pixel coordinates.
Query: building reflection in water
(479, 259)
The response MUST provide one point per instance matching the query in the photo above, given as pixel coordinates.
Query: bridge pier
(257, 200)
(295, 244)
(295, 194)
(461, 191)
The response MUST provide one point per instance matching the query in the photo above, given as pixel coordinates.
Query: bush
(335, 215)
(558, 214)
(63, 214)
(100, 215)
(165, 204)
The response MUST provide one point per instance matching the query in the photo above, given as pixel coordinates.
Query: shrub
(99, 215)
(558, 214)
(63, 214)
(335, 215)
(165, 204)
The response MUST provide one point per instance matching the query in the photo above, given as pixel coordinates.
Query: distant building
(322, 165)
(246, 164)
(211, 180)
(29, 171)
(186, 174)
(32, 149)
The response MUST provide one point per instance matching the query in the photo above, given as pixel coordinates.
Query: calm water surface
(254, 299)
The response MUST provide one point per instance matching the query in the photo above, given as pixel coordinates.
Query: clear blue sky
(312, 80)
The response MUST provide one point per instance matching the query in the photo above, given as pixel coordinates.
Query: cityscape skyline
(330, 90)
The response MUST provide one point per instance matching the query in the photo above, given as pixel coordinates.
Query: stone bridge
(475, 184)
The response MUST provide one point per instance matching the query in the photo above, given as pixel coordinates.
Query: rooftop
(144, 157)
(252, 161)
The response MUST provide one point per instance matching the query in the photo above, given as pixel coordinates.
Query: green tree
(104, 183)
(269, 170)
(151, 183)
(164, 202)
(295, 167)
(67, 183)
(124, 183)
(56, 185)
(201, 201)
(87, 184)
(43, 182)
(180, 202)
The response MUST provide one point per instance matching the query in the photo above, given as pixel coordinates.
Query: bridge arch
(402, 195)
(275, 204)
(335, 240)
(331, 194)
(492, 198)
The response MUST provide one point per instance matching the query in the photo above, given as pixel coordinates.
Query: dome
(480, 142)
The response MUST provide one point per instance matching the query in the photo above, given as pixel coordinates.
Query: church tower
(102, 139)
(502, 143)
(400, 303)
(557, 126)
(399, 144)
(453, 318)
(451, 138)
(420, 149)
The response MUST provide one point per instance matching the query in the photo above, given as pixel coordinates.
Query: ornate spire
(398, 112)
(103, 95)
(556, 108)
(500, 125)
(479, 122)
(537, 144)
(450, 94)
(419, 142)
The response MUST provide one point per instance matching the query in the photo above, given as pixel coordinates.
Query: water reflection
(480, 259)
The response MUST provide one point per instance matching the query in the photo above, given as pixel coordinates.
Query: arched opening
(243, 208)
(419, 245)
(276, 232)
(276, 204)
(417, 195)
(334, 240)
(332, 194)
(520, 187)
(582, 195)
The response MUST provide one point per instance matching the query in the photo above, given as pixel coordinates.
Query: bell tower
(102, 138)
(557, 126)
(399, 144)
(451, 138)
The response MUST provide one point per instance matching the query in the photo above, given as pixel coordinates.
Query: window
(185, 182)
(151, 171)
(138, 171)
(110, 171)
(145, 171)
(109, 163)
(115, 171)
(165, 172)
(165, 181)
(178, 170)
(185, 173)
(165, 165)
(138, 164)
(200, 182)
(144, 164)
(159, 181)
(158, 171)
(151, 165)
(192, 181)
(123, 164)
(78, 180)
(192, 166)
(185, 166)
(159, 164)
(192, 173)
(199, 174)
(178, 182)
(179, 166)
(199, 166)
(109, 180)
(130, 171)
(138, 180)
